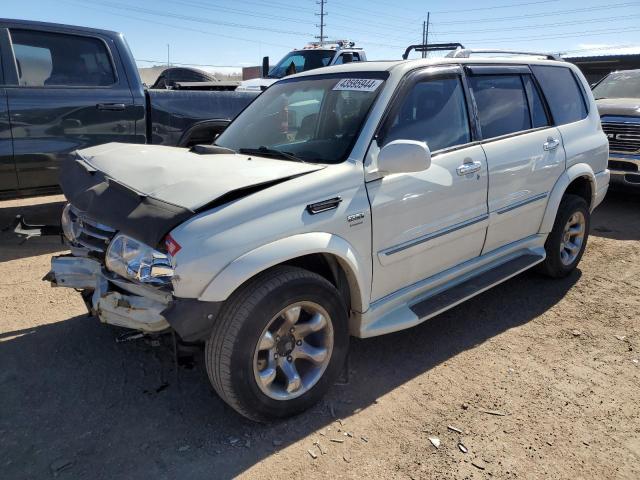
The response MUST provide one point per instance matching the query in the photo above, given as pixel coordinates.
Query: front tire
(279, 344)
(567, 241)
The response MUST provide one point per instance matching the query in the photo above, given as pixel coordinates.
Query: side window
(435, 112)
(340, 59)
(502, 104)
(564, 95)
(538, 113)
(52, 59)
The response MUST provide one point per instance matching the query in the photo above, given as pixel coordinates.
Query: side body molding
(357, 270)
(573, 172)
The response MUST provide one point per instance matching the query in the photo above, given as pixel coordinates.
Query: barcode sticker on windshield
(358, 84)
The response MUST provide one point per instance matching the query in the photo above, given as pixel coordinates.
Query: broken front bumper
(115, 301)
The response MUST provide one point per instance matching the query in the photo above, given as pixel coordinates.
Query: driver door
(426, 222)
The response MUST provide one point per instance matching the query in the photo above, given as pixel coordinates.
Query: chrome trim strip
(434, 235)
(522, 203)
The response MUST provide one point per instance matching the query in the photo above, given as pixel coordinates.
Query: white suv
(353, 200)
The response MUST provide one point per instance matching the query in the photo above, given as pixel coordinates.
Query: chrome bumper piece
(140, 308)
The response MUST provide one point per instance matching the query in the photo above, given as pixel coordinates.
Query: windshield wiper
(271, 152)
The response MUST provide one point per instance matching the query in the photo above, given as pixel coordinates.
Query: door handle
(551, 143)
(116, 107)
(468, 167)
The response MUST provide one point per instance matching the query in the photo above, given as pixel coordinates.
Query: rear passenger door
(66, 95)
(524, 152)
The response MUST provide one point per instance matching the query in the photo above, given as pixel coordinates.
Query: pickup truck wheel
(279, 344)
(568, 239)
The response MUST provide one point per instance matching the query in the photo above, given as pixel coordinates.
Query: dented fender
(250, 264)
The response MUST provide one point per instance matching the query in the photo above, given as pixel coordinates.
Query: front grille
(91, 235)
(623, 136)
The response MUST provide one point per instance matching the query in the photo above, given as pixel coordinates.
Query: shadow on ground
(14, 247)
(71, 396)
(618, 217)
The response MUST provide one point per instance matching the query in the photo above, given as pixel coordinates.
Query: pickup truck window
(502, 104)
(303, 60)
(340, 59)
(625, 84)
(563, 93)
(315, 119)
(46, 59)
(435, 112)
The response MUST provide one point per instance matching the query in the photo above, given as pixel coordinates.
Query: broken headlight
(134, 260)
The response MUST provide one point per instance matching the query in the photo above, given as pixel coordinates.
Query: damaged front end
(113, 298)
(114, 301)
(125, 282)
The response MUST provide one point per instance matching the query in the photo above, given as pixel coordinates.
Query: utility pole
(322, 14)
(424, 28)
(426, 34)
(168, 57)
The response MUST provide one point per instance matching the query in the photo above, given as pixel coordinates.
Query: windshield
(311, 119)
(619, 85)
(302, 60)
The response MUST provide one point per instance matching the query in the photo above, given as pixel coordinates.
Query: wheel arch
(579, 179)
(328, 255)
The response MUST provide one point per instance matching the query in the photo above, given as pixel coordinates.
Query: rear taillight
(173, 247)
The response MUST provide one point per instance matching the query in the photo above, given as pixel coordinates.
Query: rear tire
(566, 243)
(279, 344)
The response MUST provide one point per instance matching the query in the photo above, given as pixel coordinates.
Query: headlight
(134, 260)
(70, 228)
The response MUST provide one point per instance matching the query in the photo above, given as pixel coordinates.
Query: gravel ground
(539, 378)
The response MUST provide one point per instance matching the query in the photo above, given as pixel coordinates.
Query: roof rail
(466, 53)
(432, 47)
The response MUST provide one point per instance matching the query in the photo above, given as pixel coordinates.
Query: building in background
(598, 66)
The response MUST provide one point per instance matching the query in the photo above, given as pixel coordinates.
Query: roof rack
(432, 47)
(466, 53)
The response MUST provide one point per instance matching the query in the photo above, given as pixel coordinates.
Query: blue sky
(240, 32)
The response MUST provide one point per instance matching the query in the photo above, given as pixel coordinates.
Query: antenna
(322, 14)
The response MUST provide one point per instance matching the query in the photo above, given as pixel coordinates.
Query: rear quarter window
(564, 95)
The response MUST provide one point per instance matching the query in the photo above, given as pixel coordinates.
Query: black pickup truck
(64, 88)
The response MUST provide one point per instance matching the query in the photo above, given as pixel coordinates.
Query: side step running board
(450, 298)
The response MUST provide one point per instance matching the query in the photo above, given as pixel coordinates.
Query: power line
(503, 6)
(545, 14)
(543, 25)
(189, 18)
(603, 31)
(244, 13)
(608, 47)
(153, 22)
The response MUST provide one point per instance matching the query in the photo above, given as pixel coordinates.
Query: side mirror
(404, 156)
(265, 67)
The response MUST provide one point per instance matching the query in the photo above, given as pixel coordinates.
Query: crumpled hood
(183, 178)
(145, 191)
(619, 106)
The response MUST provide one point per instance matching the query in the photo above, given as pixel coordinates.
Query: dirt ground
(541, 377)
